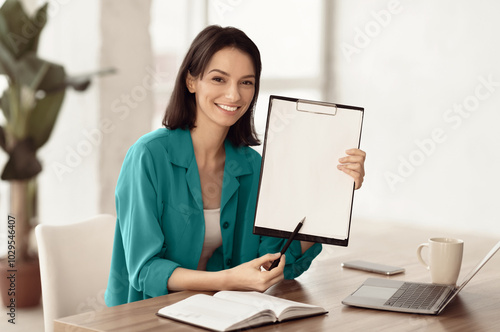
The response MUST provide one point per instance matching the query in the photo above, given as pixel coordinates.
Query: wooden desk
(326, 283)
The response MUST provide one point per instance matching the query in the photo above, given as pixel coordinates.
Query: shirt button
(225, 225)
(228, 262)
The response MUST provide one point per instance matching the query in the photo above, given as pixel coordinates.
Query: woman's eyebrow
(226, 74)
(219, 71)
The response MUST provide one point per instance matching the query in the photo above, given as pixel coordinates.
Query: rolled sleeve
(154, 276)
(139, 215)
(296, 261)
(300, 262)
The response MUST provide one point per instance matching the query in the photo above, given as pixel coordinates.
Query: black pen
(287, 244)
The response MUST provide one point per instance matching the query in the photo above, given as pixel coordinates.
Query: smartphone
(373, 267)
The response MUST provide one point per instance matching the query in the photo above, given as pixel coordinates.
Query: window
(288, 33)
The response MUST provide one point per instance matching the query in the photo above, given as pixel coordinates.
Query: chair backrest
(74, 266)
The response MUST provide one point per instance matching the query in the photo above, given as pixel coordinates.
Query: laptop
(411, 297)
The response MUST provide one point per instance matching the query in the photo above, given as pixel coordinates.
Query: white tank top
(213, 237)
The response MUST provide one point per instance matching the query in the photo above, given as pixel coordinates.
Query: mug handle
(419, 255)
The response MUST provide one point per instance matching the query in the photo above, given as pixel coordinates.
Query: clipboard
(299, 177)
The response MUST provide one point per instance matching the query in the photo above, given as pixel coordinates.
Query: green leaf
(39, 20)
(3, 142)
(35, 117)
(7, 64)
(5, 105)
(44, 116)
(15, 18)
(49, 79)
(20, 33)
(4, 28)
(16, 126)
(82, 82)
(40, 74)
(5, 56)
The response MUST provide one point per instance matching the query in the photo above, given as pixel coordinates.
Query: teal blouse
(160, 223)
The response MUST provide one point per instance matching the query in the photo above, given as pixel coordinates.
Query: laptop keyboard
(416, 296)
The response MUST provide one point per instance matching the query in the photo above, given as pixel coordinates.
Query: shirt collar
(181, 153)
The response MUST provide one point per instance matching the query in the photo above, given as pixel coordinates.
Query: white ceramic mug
(445, 259)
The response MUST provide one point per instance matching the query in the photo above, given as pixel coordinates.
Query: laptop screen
(472, 274)
(479, 266)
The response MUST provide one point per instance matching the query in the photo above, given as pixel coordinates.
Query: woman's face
(226, 90)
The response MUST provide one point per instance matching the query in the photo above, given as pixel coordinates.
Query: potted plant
(30, 105)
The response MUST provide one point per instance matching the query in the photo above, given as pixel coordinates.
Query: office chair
(74, 266)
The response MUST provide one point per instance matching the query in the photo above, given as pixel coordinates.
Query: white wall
(68, 183)
(413, 65)
(408, 72)
(126, 98)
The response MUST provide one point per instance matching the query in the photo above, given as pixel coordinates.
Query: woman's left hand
(354, 165)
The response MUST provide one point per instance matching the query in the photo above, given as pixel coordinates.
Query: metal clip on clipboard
(316, 107)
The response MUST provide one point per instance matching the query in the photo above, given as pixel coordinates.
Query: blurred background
(426, 72)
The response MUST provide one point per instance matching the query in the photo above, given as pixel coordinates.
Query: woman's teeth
(228, 108)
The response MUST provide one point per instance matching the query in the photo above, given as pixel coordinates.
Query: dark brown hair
(181, 110)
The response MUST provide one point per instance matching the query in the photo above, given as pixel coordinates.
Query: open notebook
(232, 310)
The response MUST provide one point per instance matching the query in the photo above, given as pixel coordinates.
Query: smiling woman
(186, 194)
(225, 92)
(220, 70)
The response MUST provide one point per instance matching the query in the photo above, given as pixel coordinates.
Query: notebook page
(268, 302)
(211, 312)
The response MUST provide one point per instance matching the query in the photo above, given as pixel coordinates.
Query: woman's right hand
(251, 277)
